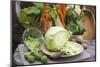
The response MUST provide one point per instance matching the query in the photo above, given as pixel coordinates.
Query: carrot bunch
(45, 20)
(61, 10)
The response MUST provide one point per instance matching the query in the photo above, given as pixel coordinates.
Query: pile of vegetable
(46, 15)
(32, 43)
(34, 54)
(29, 17)
(73, 20)
(58, 22)
(57, 39)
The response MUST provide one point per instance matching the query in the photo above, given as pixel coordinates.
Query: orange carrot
(45, 20)
(61, 9)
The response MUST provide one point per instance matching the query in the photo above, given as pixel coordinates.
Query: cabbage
(56, 37)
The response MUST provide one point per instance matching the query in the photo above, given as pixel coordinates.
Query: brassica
(56, 37)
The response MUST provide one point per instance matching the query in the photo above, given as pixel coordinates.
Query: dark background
(16, 31)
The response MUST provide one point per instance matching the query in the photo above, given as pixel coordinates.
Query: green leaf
(81, 30)
(26, 20)
(30, 10)
(72, 27)
(39, 5)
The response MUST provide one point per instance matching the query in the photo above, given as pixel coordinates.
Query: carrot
(61, 9)
(45, 20)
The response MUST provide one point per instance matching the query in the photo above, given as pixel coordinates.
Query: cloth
(87, 55)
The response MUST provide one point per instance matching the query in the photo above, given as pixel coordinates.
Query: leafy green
(56, 37)
(69, 49)
(72, 20)
(26, 20)
(39, 5)
(29, 17)
(32, 43)
(72, 27)
(30, 10)
(75, 28)
(81, 29)
(57, 40)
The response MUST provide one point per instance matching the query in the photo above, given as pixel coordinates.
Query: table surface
(88, 55)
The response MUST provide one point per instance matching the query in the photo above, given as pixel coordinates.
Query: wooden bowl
(88, 23)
